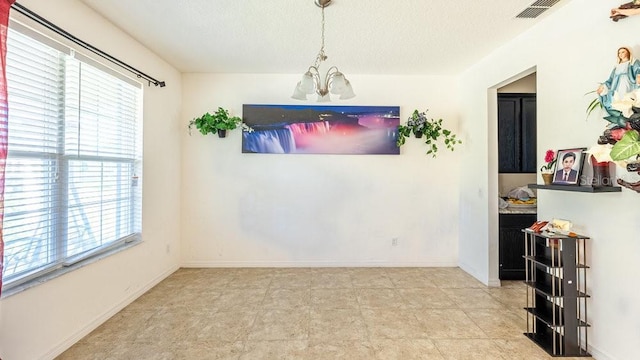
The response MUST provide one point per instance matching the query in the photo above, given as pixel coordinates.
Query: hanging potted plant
(218, 122)
(431, 129)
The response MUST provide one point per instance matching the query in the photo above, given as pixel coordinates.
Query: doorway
(517, 163)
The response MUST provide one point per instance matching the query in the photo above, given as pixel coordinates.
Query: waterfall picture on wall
(320, 129)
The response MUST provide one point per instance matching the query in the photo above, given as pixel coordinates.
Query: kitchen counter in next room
(519, 210)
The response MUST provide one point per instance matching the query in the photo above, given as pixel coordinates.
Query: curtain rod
(49, 25)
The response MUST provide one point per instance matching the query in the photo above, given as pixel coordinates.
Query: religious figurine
(625, 10)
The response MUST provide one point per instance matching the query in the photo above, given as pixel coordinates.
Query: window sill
(66, 269)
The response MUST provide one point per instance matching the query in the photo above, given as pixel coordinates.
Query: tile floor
(317, 313)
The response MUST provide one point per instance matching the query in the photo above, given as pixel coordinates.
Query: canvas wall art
(320, 129)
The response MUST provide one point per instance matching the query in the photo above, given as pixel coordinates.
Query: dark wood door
(508, 134)
(528, 134)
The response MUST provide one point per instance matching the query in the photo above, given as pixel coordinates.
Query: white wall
(41, 322)
(525, 85)
(572, 51)
(317, 210)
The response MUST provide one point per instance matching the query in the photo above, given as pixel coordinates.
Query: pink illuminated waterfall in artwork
(305, 133)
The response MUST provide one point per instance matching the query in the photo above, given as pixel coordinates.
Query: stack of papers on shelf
(558, 226)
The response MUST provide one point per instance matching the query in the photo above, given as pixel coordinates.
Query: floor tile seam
(475, 322)
(503, 303)
(484, 289)
(308, 323)
(454, 289)
(464, 337)
(259, 310)
(497, 342)
(136, 312)
(424, 308)
(393, 282)
(366, 306)
(319, 339)
(357, 289)
(492, 340)
(93, 339)
(431, 340)
(401, 338)
(516, 311)
(479, 308)
(451, 300)
(244, 348)
(442, 352)
(272, 288)
(264, 296)
(173, 345)
(202, 292)
(366, 327)
(285, 308)
(226, 311)
(289, 287)
(403, 296)
(374, 288)
(385, 307)
(318, 308)
(461, 304)
(145, 325)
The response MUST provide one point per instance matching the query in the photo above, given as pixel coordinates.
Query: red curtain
(5, 6)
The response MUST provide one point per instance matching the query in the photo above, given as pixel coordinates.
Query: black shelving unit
(556, 293)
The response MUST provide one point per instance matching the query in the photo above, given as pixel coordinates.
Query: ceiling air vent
(538, 7)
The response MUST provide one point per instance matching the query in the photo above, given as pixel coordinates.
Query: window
(74, 159)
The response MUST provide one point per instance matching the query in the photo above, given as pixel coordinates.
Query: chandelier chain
(321, 55)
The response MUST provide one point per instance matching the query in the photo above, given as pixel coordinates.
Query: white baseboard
(229, 264)
(599, 355)
(473, 272)
(62, 347)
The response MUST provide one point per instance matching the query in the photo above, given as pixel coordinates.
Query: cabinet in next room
(517, 133)
(511, 245)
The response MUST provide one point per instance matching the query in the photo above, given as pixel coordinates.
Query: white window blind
(72, 187)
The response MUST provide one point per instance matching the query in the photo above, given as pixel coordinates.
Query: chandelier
(333, 82)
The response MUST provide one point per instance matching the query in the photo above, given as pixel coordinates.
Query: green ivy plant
(431, 129)
(627, 147)
(211, 123)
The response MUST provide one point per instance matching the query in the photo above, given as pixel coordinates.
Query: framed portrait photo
(568, 167)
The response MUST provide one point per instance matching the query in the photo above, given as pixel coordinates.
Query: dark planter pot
(222, 133)
(601, 173)
(418, 134)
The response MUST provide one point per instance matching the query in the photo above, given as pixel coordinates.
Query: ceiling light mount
(334, 81)
(323, 3)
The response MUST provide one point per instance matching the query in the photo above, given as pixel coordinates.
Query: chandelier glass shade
(333, 82)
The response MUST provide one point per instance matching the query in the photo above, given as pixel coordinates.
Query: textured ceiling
(434, 37)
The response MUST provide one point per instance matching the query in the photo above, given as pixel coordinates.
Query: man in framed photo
(567, 174)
